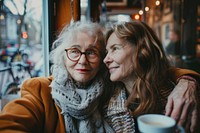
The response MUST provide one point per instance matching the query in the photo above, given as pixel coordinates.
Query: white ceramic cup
(155, 123)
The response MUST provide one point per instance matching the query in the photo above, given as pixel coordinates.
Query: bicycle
(18, 72)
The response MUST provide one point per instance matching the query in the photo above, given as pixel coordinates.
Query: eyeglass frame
(66, 50)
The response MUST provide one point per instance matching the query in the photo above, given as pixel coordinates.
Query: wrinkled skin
(182, 105)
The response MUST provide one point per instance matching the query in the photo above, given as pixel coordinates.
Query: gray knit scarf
(79, 105)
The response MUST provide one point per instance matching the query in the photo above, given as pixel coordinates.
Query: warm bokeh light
(157, 2)
(146, 8)
(137, 17)
(141, 12)
(24, 35)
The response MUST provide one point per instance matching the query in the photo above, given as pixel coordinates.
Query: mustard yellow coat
(37, 112)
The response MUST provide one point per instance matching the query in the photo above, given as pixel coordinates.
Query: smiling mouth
(111, 69)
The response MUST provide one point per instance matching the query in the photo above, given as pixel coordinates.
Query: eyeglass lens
(74, 54)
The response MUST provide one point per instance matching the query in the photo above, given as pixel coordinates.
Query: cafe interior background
(28, 28)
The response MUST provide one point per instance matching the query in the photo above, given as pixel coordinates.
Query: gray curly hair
(68, 35)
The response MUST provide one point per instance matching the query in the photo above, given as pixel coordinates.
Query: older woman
(68, 101)
(135, 57)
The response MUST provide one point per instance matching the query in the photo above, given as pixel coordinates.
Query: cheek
(127, 67)
(68, 62)
(69, 65)
(121, 59)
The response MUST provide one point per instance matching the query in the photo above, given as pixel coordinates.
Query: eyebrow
(115, 45)
(76, 46)
(90, 46)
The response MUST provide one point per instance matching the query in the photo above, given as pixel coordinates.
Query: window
(21, 40)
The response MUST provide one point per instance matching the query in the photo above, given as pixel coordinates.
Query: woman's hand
(182, 104)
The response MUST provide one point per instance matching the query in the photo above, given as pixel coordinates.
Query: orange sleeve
(175, 73)
(34, 112)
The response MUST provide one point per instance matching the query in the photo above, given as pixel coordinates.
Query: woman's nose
(107, 59)
(83, 59)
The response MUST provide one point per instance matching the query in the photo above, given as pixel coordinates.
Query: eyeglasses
(74, 54)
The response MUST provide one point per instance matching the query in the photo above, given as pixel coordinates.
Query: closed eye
(116, 47)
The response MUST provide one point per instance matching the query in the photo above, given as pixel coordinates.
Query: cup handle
(180, 129)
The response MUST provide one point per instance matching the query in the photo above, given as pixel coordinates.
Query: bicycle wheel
(10, 88)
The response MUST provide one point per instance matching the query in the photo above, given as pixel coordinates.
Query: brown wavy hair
(150, 65)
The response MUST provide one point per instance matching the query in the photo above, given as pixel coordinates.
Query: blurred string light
(137, 17)
(146, 8)
(157, 2)
(141, 12)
